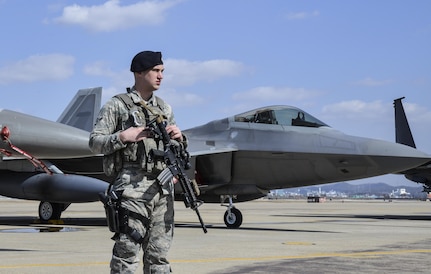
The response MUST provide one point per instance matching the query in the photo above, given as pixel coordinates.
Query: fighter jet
(403, 135)
(235, 159)
(247, 155)
(50, 161)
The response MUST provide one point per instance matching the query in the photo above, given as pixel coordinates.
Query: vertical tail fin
(83, 109)
(403, 134)
(420, 174)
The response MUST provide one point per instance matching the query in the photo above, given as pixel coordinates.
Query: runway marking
(298, 243)
(53, 265)
(268, 258)
(309, 256)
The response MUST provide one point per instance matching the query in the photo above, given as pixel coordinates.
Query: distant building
(400, 193)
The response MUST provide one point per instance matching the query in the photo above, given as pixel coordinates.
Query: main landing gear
(51, 211)
(232, 216)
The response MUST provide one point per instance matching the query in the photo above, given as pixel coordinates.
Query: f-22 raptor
(235, 159)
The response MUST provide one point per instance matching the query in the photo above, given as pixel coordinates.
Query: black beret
(146, 60)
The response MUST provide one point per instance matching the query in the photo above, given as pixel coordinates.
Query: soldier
(121, 133)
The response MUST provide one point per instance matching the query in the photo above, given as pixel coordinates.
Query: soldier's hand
(135, 134)
(174, 132)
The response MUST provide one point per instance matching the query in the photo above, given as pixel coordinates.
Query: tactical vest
(137, 154)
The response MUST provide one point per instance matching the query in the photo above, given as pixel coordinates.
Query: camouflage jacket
(114, 117)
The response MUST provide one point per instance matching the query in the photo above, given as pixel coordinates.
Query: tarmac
(277, 236)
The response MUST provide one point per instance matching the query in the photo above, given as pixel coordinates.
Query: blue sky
(342, 61)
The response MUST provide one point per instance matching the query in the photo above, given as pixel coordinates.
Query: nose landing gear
(232, 216)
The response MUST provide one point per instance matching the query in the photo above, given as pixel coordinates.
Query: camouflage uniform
(142, 193)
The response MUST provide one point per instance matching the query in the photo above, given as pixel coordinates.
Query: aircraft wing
(212, 151)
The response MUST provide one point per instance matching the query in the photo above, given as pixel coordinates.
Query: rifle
(176, 158)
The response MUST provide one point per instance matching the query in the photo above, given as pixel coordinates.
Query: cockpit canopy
(280, 115)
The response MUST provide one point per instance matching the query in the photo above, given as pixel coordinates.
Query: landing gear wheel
(50, 211)
(233, 218)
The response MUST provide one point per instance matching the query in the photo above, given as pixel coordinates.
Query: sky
(344, 62)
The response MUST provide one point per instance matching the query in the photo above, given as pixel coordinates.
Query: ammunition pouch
(117, 217)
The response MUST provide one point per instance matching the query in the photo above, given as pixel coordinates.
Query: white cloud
(376, 120)
(376, 110)
(357, 110)
(179, 99)
(302, 15)
(111, 16)
(370, 82)
(186, 73)
(275, 94)
(419, 118)
(38, 68)
(109, 92)
(417, 114)
(178, 73)
(98, 68)
(356, 117)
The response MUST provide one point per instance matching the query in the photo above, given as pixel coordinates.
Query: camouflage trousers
(149, 199)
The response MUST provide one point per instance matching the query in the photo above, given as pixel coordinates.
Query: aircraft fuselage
(262, 157)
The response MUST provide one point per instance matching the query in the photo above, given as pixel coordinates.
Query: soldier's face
(153, 77)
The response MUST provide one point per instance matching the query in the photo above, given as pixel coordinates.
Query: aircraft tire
(49, 211)
(234, 219)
